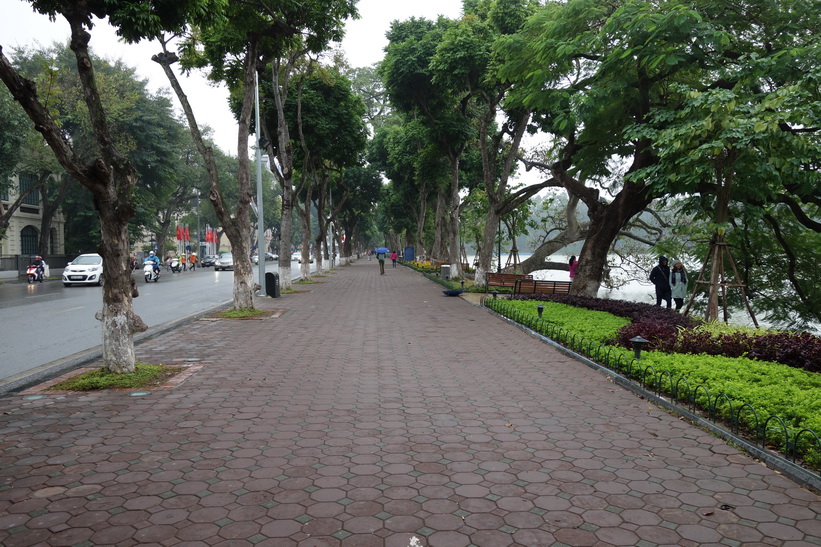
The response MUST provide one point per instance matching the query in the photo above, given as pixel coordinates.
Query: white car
(225, 261)
(85, 269)
(296, 256)
(268, 257)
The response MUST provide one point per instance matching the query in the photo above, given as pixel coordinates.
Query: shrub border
(780, 463)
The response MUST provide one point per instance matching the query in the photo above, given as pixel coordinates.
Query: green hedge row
(771, 389)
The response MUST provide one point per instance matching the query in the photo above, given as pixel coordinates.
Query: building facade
(23, 233)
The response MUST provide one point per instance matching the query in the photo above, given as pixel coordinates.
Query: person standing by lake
(660, 276)
(572, 266)
(678, 284)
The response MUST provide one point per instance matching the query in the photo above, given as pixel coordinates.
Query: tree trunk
(286, 225)
(438, 250)
(110, 178)
(454, 250)
(305, 244)
(236, 227)
(606, 221)
(486, 248)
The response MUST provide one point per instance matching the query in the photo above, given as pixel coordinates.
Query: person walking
(380, 256)
(660, 277)
(183, 262)
(393, 258)
(193, 260)
(678, 284)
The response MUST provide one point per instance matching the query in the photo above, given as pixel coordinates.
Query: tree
(597, 73)
(409, 74)
(329, 120)
(110, 178)
(466, 60)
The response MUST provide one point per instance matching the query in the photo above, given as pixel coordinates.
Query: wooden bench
(534, 286)
(505, 279)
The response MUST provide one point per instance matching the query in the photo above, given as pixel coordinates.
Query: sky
(363, 45)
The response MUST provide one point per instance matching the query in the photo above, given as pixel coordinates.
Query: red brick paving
(374, 412)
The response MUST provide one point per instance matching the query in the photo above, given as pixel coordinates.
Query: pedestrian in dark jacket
(660, 276)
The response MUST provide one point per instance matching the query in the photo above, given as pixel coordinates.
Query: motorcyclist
(153, 259)
(40, 265)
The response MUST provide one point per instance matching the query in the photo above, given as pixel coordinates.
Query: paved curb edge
(25, 380)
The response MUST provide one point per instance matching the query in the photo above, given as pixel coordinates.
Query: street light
(260, 216)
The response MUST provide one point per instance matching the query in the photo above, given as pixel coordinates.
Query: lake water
(633, 291)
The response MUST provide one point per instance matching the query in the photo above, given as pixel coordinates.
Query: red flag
(179, 233)
(187, 234)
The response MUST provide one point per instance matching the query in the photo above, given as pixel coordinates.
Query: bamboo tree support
(513, 258)
(717, 284)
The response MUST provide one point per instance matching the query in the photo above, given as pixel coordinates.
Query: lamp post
(199, 233)
(540, 310)
(638, 345)
(499, 249)
(260, 216)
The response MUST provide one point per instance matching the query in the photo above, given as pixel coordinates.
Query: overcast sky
(363, 45)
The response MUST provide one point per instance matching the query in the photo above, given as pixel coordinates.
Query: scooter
(149, 273)
(33, 274)
(175, 265)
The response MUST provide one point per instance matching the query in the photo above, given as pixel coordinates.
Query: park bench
(538, 286)
(505, 279)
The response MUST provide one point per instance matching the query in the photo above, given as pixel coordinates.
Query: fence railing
(800, 446)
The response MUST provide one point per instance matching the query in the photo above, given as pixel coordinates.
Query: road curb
(47, 371)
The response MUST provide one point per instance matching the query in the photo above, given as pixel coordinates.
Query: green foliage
(14, 122)
(234, 313)
(144, 376)
(772, 389)
(592, 325)
(716, 328)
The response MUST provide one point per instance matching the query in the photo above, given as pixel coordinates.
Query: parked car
(86, 269)
(225, 261)
(268, 257)
(208, 261)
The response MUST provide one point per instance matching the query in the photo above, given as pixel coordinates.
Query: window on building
(28, 240)
(27, 181)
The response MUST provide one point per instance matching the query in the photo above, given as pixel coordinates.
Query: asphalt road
(46, 323)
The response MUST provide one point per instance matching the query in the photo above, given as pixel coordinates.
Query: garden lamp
(638, 345)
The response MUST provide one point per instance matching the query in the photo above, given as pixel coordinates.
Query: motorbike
(33, 275)
(175, 265)
(150, 274)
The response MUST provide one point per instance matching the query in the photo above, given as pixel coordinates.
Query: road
(46, 322)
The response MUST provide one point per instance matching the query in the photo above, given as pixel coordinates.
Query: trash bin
(272, 284)
(444, 271)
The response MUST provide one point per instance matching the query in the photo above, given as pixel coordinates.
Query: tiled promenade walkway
(377, 411)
